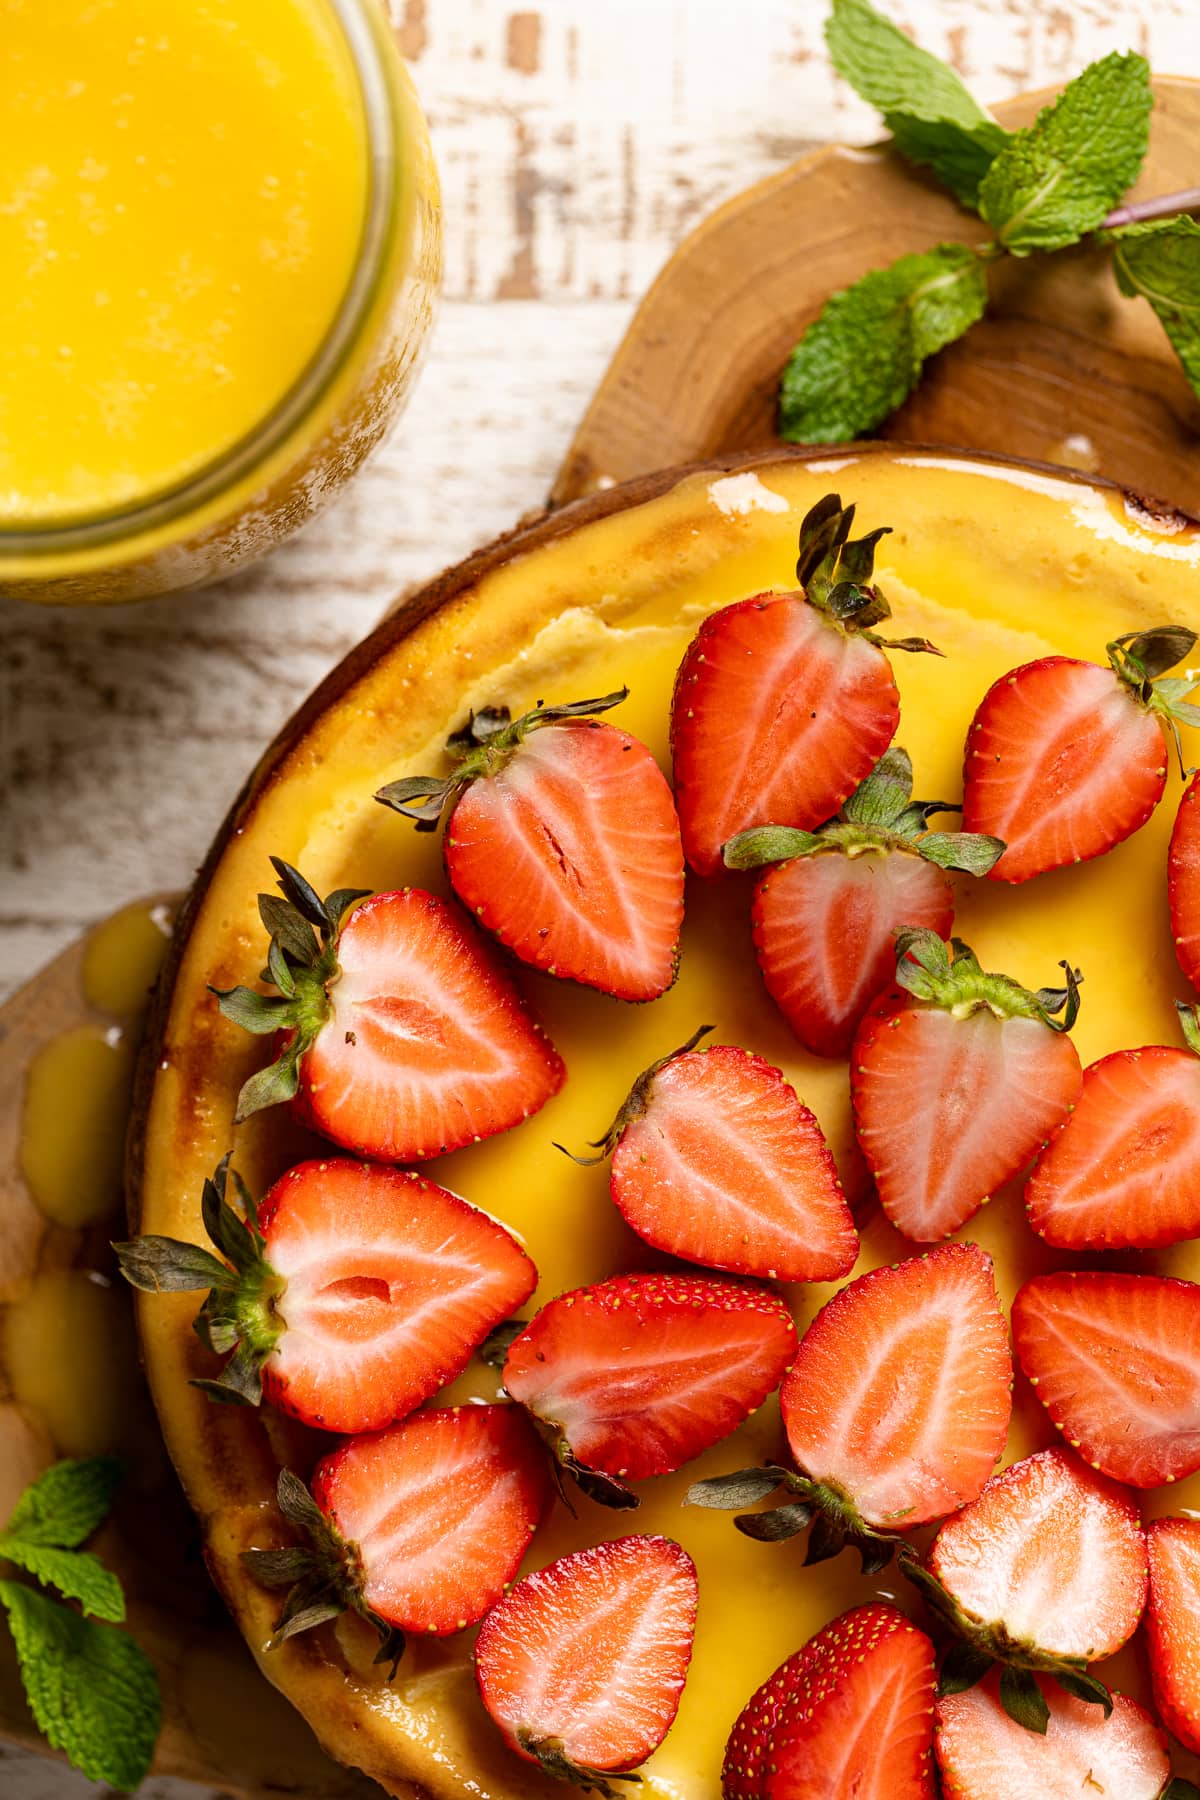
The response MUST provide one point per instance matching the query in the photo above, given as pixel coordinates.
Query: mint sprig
(863, 355)
(92, 1692)
(1041, 189)
(934, 119)
(1057, 180)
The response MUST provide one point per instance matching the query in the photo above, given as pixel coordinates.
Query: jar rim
(255, 447)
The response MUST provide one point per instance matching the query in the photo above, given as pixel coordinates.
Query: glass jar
(298, 338)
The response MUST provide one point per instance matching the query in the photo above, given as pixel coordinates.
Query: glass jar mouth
(255, 447)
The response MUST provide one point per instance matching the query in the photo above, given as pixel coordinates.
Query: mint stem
(1165, 206)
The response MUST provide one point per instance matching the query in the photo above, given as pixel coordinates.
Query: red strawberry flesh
(901, 1392)
(1173, 1624)
(985, 1755)
(441, 1508)
(1050, 1555)
(428, 1045)
(1062, 763)
(947, 1109)
(825, 935)
(849, 1714)
(391, 1282)
(641, 1373)
(777, 716)
(1115, 1360)
(589, 1656)
(1183, 882)
(1124, 1170)
(570, 854)
(726, 1167)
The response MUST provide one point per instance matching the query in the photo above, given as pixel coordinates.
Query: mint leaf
(92, 1692)
(1056, 180)
(1161, 262)
(929, 112)
(860, 359)
(65, 1504)
(76, 1573)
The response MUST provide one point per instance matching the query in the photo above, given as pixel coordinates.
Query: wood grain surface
(571, 169)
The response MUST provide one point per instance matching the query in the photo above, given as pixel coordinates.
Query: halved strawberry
(849, 1714)
(784, 702)
(1173, 1624)
(417, 1528)
(583, 1664)
(404, 1038)
(827, 911)
(639, 1374)
(956, 1082)
(896, 1408)
(563, 841)
(986, 1755)
(1045, 1570)
(1183, 882)
(351, 1296)
(1065, 759)
(715, 1159)
(1115, 1360)
(1124, 1170)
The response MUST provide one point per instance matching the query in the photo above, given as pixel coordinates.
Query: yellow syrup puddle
(70, 1353)
(122, 958)
(76, 1110)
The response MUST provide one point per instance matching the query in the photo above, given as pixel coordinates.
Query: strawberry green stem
(324, 1576)
(1141, 659)
(835, 1520)
(242, 1312)
(482, 747)
(926, 970)
(634, 1103)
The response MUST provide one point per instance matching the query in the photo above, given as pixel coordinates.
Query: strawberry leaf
(963, 1667)
(289, 929)
(971, 852)
(777, 1525)
(1023, 1700)
(1179, 1789)
(163, 1265)
(301, 895)
(1189, 1024)
(885, 794)
(262, 1014)
(1082, 1686)
(769, 844)
(744, 1487)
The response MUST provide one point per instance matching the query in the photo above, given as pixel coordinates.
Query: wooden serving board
(1063, 371)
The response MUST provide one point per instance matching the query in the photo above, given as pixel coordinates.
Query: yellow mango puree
(183, 185)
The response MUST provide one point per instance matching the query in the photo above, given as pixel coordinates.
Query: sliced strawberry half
(784, 702)
(986, 1755)
(896, 1409)
(831, 903)
(1123, 1171)
(350, 1297)
(417, 1528)
(956, 1082)
(562, 841)
(850, 1714)
(715, 1159)
(1045, 1570)
(1065, 759)
(637, 1375)
(583, 1664)
(1115, 1360)
(403, 1038)
(1183, 882)
(1173, 1624)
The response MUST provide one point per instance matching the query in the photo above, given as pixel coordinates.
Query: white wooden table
(578, 141)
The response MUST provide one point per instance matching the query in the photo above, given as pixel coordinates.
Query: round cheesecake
(997, 564)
